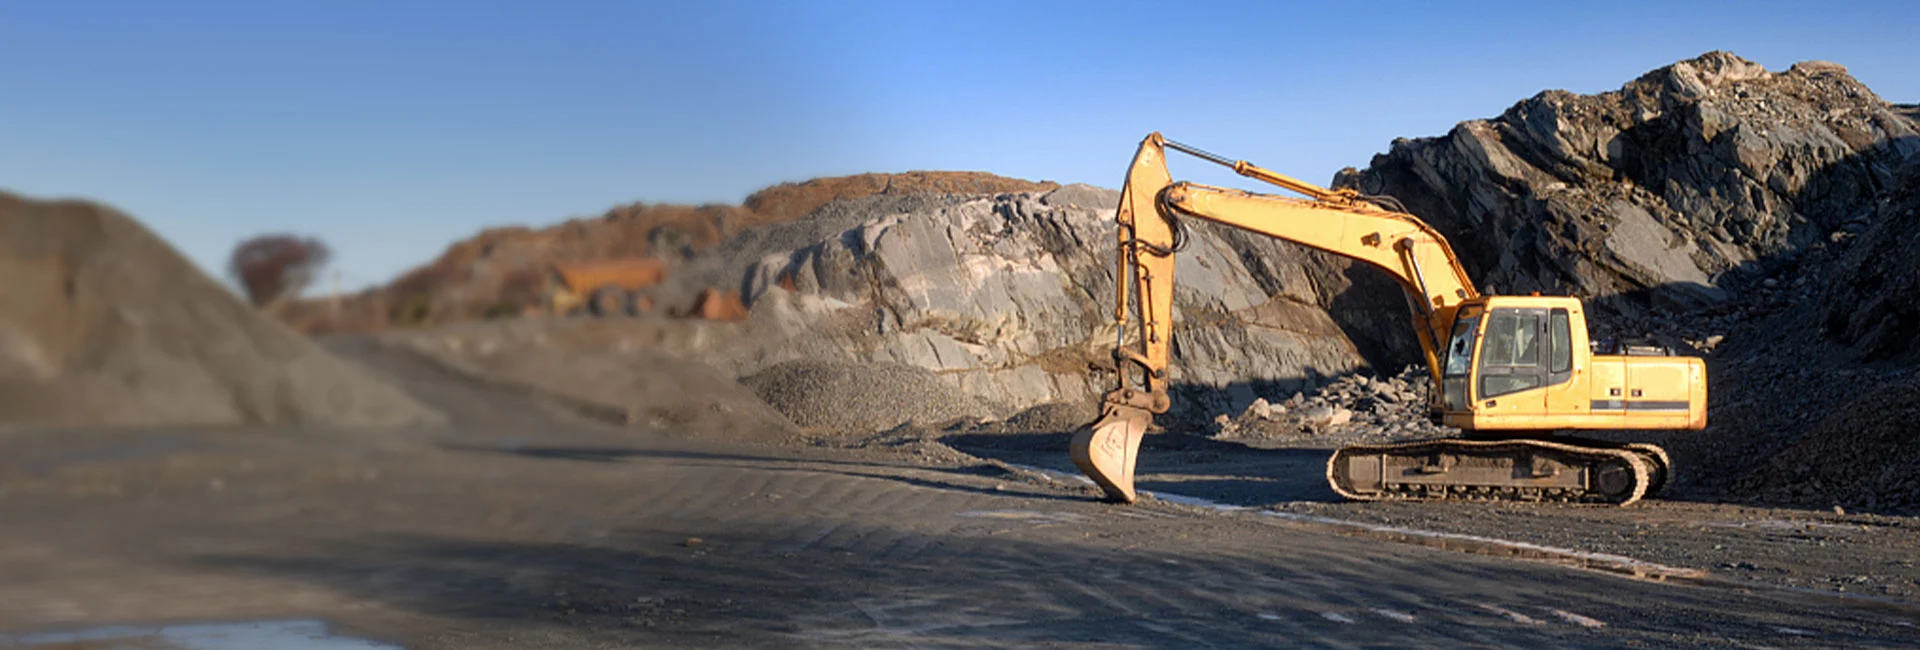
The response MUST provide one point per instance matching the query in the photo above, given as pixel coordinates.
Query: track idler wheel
(1659, 466)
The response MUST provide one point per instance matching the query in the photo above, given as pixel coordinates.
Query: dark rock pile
(1694, 180)
(1762, 219)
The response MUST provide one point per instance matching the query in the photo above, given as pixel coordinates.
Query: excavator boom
(1375, 231)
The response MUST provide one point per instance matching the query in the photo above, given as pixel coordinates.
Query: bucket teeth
(1105, 450)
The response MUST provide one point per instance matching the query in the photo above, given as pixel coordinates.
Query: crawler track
(1579, 471)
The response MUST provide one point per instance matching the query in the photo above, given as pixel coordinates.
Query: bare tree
(272, 268)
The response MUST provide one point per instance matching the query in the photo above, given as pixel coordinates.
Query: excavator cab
(1525, 363)
(1498, 349)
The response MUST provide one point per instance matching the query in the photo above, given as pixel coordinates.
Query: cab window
(1460, 349)
(1560, 328)
(1511, 350)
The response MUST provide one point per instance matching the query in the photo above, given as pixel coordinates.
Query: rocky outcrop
(1009, 298)
(501, 271)
(1679, 187)
(789, 201)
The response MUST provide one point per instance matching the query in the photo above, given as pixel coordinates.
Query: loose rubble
(1352, 408)
(1685, 184)
(1760, 219)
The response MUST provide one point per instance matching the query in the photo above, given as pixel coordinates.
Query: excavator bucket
(1106, 449)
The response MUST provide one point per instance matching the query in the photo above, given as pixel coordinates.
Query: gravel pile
(861, 397)
(1354, 407)
(1053, 417)
(103, 323)
(675, 397)
(1864, 455)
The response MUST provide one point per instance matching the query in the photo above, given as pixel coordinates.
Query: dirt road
(523, 525)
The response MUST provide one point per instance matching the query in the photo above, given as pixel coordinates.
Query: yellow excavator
(1515, 374)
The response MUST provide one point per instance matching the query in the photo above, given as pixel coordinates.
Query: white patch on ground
(286, 635)
(1025, 515)
(1582, 621)
(1511, 615)
(1620, 563)
(1398, 616)
(1783, 524)
(1617, 563)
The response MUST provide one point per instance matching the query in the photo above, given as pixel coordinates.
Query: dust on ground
(529, 525)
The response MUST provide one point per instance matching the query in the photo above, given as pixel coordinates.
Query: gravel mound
(1865, 456)
(675, 397)
(1052, 417)
(103, 323)
(861, 397)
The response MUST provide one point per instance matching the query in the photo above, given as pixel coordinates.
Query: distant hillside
(500, 271)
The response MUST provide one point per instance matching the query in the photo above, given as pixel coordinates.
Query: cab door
(1513, 366)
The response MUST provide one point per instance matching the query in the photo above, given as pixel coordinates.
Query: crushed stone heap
(103, 323)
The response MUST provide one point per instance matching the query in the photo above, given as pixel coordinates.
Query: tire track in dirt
(989, 581)
(589, 540)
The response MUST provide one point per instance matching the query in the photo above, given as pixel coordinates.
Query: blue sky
(391, 128)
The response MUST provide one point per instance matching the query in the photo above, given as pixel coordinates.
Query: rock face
(501, 272)
(1009, 297)
(789, 201)
(102, 323)
(1657, 190)
(1766, 219)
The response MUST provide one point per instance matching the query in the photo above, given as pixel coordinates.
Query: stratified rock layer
(1010, 298)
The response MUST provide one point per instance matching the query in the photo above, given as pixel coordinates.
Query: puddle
(246, 635)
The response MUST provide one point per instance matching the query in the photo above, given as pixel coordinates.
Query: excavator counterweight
(1512, 372)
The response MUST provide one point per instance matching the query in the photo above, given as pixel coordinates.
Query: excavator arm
(1341, 222)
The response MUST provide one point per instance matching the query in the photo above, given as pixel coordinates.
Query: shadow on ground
(767, 588)
(1222, 471)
